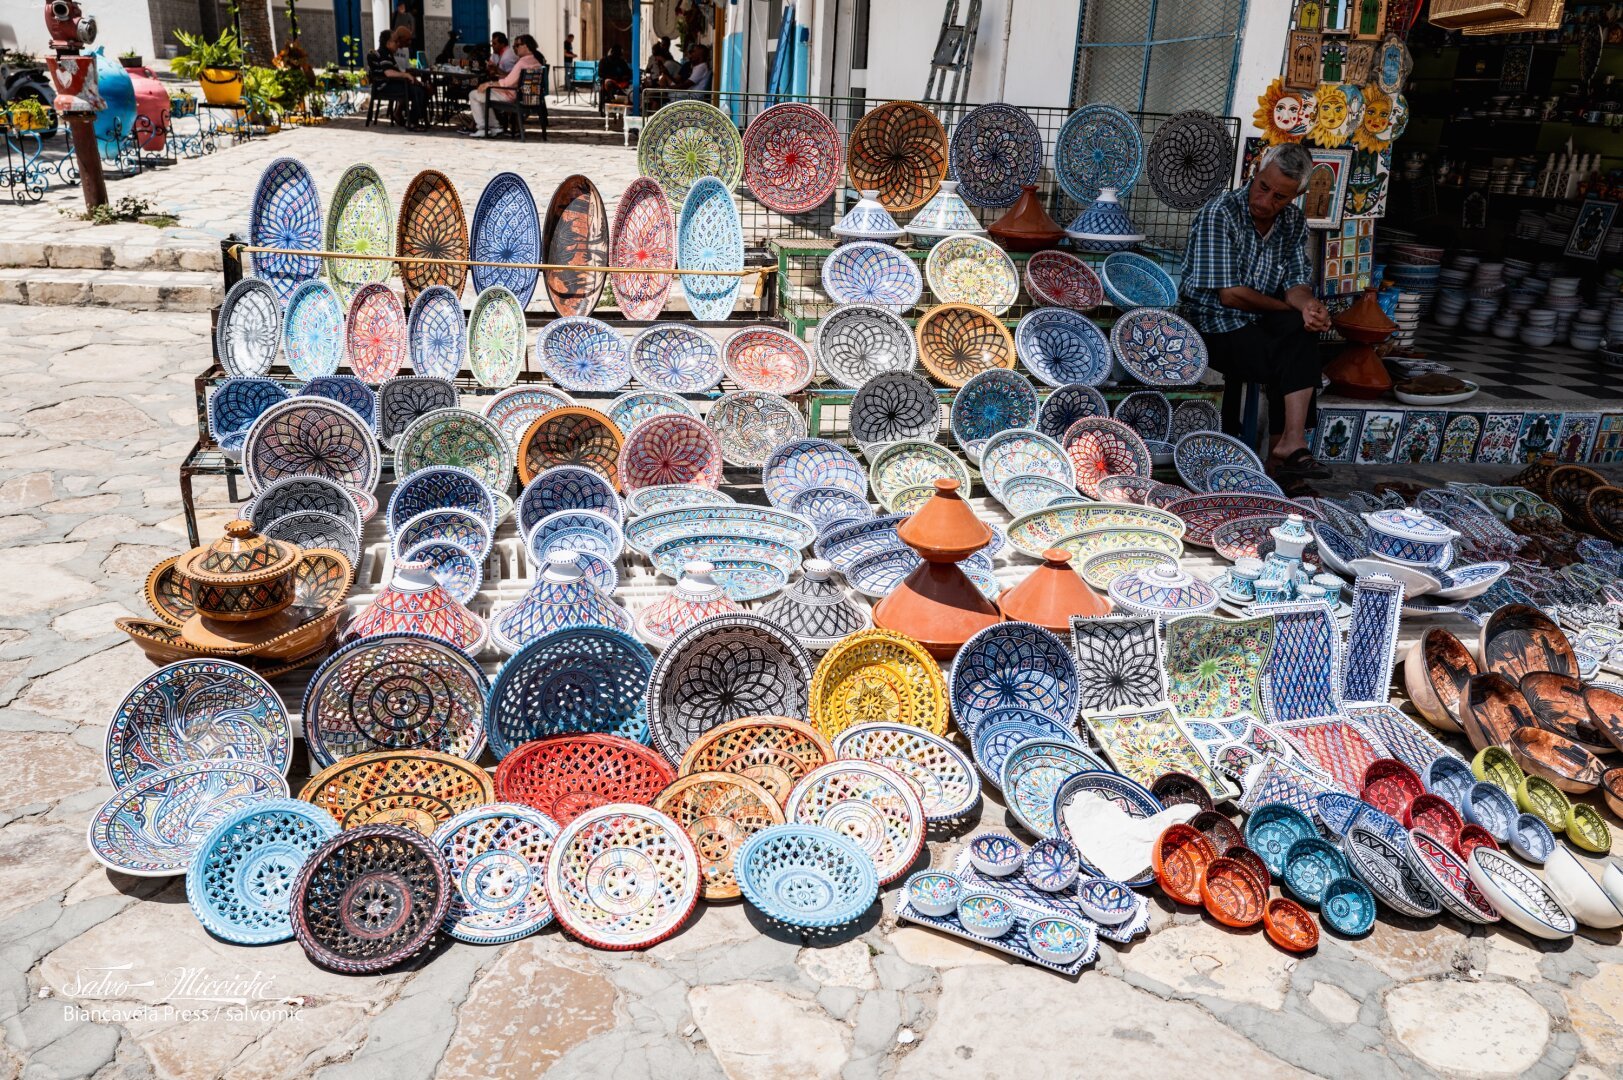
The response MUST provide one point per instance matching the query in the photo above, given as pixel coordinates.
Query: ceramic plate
(855, 342)
(375, 335)
(1023, 453)
(751, 424)
(1066, 405)
(676, 358)
(685, 141)
(582, 353)
(1060, 279)
(767, 358)
(359, 222)
(1189, 159)
(900, 150)
(1197, 454)
(496, 335)
(153, 827)
(506, 229)
(994, 150)
(513, 410)
(249, 328)
(993, 401)
(195, 710)
(286, 213)
(634, 406)
(1099, 146)
(431, 225)
(670, 449)
(311, 436)
(436, 335)
(709, 236)
(893, 406)
(644, 236)
(806, 463)
(957, 341)
(912, 463)
(1159, 348)
(1063, 347)
(575, 233)
(313, 331)
(868, 272)
(793, 157)
(972, 270)
(1134, 281)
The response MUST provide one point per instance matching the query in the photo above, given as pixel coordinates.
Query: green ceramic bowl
(1589, 830)
(1537, 796)
(1495, 765)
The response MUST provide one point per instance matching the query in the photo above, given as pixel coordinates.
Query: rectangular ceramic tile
(1372, 639)
(1303, 676)
(1460, 435)
(1336, 437)
(1145, 744)
(1498, 443)
(1378, 441)
(1609, 439)
(1577, 438)
(1119, 662)
(1214, 665)
(1537, 435)
(1342, 749)
(1421, 436)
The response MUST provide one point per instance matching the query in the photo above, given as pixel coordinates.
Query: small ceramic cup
(1307, 590)
(1243, 576)
(1271, 590)
(1332, 586)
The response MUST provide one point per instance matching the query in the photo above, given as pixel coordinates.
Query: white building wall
(1041, 49)
(1262, 51)
(120, 26)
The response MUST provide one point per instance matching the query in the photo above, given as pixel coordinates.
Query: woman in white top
(506, 88)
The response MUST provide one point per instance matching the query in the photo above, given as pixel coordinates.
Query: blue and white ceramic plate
(286, 214)
(567, 487)
(436, 336)
(1068, 404)
(676, 358)
(1033, 773)
(575, 530)
(807, 463)
(634, 406)
(153, 827)
(868, 272)
(497, 855)
(709, 236)
(583, 353)
(1196, 455)
(1062, 347)
(1135, 281)
(313, 330)
(992, 401)
(237, 402)
(993, 151)
(249, 328)
(506, 229)
(824, 506)
(349, 392)
(1099, 146)
(1002, 730)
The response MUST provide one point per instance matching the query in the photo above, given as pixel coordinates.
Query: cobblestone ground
(111, 976)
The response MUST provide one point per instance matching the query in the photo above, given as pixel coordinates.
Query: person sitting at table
(505, 88)
(614, 77)
(404, 37)
(1247, 287)
(381, 69)
(447, 51)
(696, 82)
(502, 56)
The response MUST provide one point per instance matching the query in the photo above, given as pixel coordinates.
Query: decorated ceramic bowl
(1056, 939)
(1411, 536)
(985, 914)
(240, 576)
(995, 855)
(1051, 864)
(934, 893)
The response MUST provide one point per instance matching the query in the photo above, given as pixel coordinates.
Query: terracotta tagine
(1051, 594)
(1357, 371)
(241, 576)
(937, 605)
(1026, 226)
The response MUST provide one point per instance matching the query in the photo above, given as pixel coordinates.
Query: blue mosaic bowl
(240, 881)
(1105, 901)
(1056, 939)
(806, 875)
(1051, 864)
(567, 487)
(1491, 807)
(1310, 866)
(1531, 838)
(1001, 731)
(934, 893)
(985, 914)
(1062, 347)
(996, 854)
(237, 402)
(348, 391)
(1271, 830)
(1347, 907)
(439, 487)
(1134, 281)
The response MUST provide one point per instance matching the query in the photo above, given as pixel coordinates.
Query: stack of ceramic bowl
(1450, 306)
(1480, 312)
(1407, 315)
(1488, 279)
(1587, 331)
(1539, 328)
(1505, 324)
(1563, 299)
(1418, 281)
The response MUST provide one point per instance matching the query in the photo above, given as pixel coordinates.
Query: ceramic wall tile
(1421, 436)
(1119, 662)
(1609, 439)
(1335, 439)
(1577, 438)
(1497, 445)
(1537, 435)
(1303, 676)
(1378, 441)
(1372, 639)
(1460, 435)
(1145, 744)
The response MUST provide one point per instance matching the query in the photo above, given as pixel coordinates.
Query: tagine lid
(945, 528)
(1365, 317)
(1410, 525)
(240, 557)
(1027, 221)
(1051, 594)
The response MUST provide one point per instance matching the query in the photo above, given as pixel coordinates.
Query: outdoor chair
(387, 91)
(582, 75)
(530, 99)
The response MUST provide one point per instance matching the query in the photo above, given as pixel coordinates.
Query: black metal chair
(531, 99)
(386, 90)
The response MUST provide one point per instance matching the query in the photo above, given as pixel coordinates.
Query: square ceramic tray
(1013, 941)
(1064, 902)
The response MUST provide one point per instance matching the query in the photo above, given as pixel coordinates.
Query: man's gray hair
(1292, 159)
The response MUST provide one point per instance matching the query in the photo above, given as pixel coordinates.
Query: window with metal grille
(1158, 55)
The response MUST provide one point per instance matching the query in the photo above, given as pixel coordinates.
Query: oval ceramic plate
(431, 225)
(249, 328)
(286, 214)
(575, 233)
(644, 236)
(313, 331)
(582, 353)
(496, 337)
(709, 236)
(972, 270)
(506, 229)
(436, 334)
(358, 223)
(375, 334)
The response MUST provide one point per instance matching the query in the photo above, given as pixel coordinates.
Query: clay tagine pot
(1357, 371)
(1026, 226)
(1051, 594)
(1435, 673)
(937, 605)
(241, 576)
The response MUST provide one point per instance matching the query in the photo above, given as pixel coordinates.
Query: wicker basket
(1457, 14)
(1541, 15)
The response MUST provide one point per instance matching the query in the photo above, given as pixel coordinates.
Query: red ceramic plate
(1471, 837)
(1289, 925)
(1231, 894)
(1181, 857)
(1202, 514)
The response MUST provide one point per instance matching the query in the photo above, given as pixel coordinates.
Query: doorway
(471, 21)
(351, 47)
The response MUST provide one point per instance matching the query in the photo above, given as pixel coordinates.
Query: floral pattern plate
(153, 827)
(1060, 279)
(676, 358)
(868, 272)
(995, 150)
(313, 331)
(286, 213)
(1063, 348)
(506, 229)
(644, 235)
(1198, 453)
(685, 141)
(1159, 348)
(582, 353)
(855, 342)
(1099, 146)
(710, 236)
(793, 157)
(376, 334)
(972, 270)
(750, 424)
(496, 337)
(249, 328)
(436, 336)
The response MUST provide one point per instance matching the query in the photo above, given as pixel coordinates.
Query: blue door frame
(347, 23)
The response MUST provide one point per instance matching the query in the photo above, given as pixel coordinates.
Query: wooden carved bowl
(1560, 761)
(1181, 857)
(1605, 713)
(1604, 512)
(1491, 708)
(1570, 486)
(1289, 925)
(1434, 674)
(1519, 638)
(1611, 789)
(1558, 705)
(1232, 894)
(1217, 828)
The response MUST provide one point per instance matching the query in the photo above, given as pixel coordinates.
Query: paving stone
(1333, 1003)
(87, 691)
(930, 949)
(41, 767)
(38, 861)
(134, 562)
(1203, 959)
(532, 1006)
(1414, 949)
(48, 585)
(89, 418)
(22, 492)
(1015, 1022)
(1473, 1029)
(758, 1032)
(90, 623)
(1511, 958)
(261, 1039)
(846, 964)
(1595, 1008)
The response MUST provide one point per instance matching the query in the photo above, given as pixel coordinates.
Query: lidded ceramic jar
(1104, 226)
(816, 609)
(240, 576)
(937, 604)
(562, 597)
(1291, 538)
(867, 220)
(1026, 226)
(1411, 536)
(696, 596)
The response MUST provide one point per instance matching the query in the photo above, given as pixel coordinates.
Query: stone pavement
(111, 976)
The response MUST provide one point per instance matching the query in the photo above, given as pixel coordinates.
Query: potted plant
(217, 65)
(131, 59)
(182, 104)
(262, 93)
(27, 114)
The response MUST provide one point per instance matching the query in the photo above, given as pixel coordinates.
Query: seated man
(613, 77)
(697, 81)
(502, 56)
(381, 68)
(505, 88)
(1246, 287)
